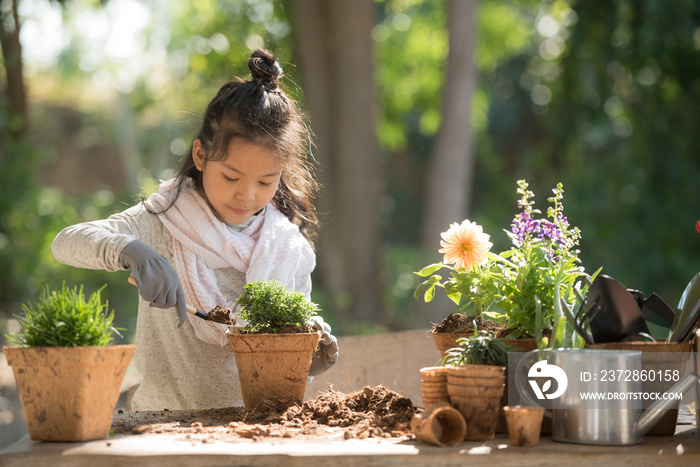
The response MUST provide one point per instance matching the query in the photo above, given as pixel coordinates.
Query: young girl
(238, 210)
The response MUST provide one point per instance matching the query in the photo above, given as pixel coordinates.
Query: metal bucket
(578, 415)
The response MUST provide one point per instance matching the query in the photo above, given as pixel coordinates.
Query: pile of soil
(461, 322)
(369, 412)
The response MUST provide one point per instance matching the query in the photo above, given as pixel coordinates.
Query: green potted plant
(68, 375)
(274, 349)
(476, 382)
(517, 293)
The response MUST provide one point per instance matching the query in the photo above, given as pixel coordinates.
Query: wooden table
(163, 449)
(167, 449)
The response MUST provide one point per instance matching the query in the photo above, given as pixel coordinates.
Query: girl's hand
(156, 279)
(326, 353)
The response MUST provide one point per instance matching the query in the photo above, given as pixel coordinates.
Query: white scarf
(271, 247)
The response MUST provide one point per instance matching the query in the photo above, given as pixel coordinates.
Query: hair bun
(264, 68)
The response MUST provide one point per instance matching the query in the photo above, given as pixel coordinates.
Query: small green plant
(480, 349)
(64, 318)
(270, 308)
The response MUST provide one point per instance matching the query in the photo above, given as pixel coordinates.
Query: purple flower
(525, 228)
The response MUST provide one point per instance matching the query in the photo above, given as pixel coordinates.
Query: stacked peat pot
(446, 340)
(434, 385)
(475, 382)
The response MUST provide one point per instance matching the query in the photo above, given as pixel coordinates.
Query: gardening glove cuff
(156, 279)
(326, 353)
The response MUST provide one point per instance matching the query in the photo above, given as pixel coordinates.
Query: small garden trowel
(654, 309)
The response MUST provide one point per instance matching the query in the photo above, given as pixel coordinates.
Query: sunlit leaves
(268, 307)
(505, 30)
(410, 69)
(411, 62)
(65, 318)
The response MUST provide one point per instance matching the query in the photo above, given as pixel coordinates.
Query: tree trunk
(334, 48)
(12, 55)
(450, 172)
(313, 40)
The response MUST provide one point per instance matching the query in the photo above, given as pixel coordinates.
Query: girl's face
(240, 184)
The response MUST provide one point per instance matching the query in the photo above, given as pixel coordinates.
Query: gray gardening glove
(156, 279)
(326, 353)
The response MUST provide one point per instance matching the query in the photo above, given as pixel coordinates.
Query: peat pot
(441, 425)
(273, 367)
(445, 341)
(476, 390)
(524, 425)
(69, 393)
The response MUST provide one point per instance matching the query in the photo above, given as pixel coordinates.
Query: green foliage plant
(65, 318)
(480, 349)
(269, 308)
(523, 286)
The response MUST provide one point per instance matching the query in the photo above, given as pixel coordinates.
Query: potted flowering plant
(521, 288)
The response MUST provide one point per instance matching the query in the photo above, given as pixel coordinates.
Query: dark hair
(260, 112)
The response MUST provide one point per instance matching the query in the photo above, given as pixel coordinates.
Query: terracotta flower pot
(657, 356)
(273, 367)
(476, 390)
(69, 393)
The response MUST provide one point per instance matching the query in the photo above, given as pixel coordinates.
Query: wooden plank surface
(155, 450)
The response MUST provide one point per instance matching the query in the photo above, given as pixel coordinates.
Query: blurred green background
(425, 112)
(600, 95)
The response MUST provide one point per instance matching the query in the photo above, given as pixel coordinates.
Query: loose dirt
(370, 412)
(221, 315)
(460, 322)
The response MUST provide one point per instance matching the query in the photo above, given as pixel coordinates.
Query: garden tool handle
(190, 309)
